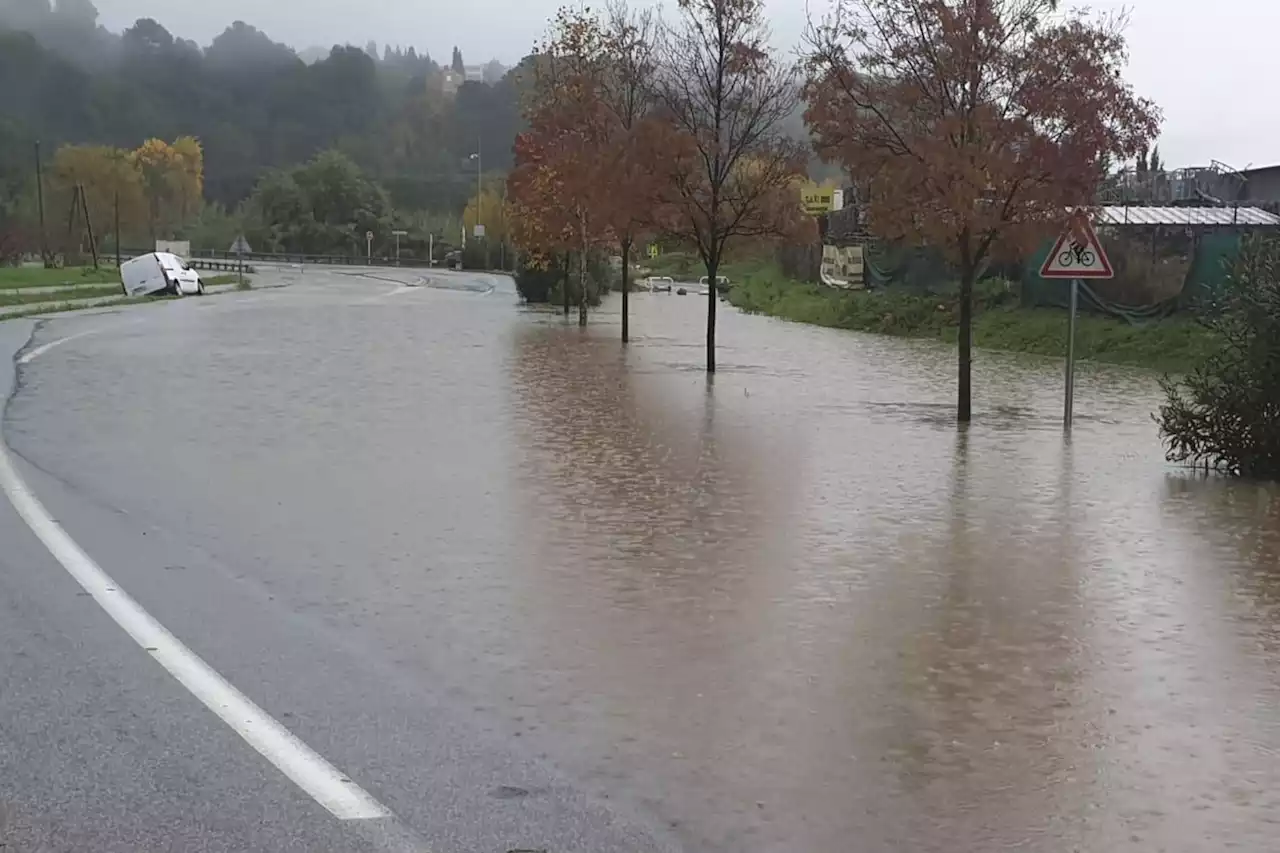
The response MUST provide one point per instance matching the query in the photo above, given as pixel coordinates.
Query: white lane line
(27, 358)
(321, 780)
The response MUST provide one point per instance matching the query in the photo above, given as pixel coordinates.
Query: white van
(159, 272)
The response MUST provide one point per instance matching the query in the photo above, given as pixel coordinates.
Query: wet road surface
(533, 590)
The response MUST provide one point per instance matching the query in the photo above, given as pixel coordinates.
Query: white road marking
(27, 358)
(309, 771)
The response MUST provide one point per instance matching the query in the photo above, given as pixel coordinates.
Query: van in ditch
(159, 272)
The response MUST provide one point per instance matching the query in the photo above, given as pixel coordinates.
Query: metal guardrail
(217, 257)
(320, 260)
(223, 266)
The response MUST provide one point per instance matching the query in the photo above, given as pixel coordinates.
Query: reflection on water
(816, 616)
(791, 611)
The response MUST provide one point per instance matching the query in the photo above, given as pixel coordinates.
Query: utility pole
(44, 238)
(479, 195)
(117, 229)
(88, 223)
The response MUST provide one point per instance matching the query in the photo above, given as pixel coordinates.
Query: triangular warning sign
(1077, 253)
(240, 246)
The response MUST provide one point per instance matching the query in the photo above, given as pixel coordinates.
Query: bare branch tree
(726, 97)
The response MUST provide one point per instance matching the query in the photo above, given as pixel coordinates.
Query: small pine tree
(457, 65)
(1226, 414)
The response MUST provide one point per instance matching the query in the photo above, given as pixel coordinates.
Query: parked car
(159, 272)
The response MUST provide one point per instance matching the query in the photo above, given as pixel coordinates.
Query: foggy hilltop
(255, 104)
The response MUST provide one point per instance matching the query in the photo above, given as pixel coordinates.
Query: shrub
(535, 283)
(1226, 414)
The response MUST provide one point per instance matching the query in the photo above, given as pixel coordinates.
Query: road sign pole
(1076, 255)
(240, 265)
(1069, 402)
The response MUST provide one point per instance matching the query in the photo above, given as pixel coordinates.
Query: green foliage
(536, 283)
(11, 297)
(20, 277)
(214, 229)
(252, 102)
(1226, 414)
(324, 206)
(999, 324)
(546, 280)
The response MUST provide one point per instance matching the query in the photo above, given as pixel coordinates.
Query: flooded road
(793, 608)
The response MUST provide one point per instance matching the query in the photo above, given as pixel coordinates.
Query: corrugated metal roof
(1121, 215)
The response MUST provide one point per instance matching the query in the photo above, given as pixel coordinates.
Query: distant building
(1262, 184)
(1214, 185)
(471, 74)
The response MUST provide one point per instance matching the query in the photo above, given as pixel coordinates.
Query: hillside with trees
(257, 110)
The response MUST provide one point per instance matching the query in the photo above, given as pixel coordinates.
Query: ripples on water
(790, 609)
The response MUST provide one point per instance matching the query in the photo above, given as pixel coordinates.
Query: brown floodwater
(793, 608)
(835, 621)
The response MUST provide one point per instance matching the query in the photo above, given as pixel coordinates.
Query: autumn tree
(549, 201)
(109, 177)
(727, 164)
(543, 227)
(173, 178)
(972, 125)
(492, 215)
(629, 137)
(561, 185)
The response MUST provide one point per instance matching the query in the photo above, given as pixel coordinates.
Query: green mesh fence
(917, 269)
(1202, 267)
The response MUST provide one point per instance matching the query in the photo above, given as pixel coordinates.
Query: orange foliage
(972, 125)
(582, 167)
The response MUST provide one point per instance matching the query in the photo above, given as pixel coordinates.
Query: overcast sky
(1208, 65)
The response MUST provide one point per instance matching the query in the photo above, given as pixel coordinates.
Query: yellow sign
(817, 200)
(654, 250)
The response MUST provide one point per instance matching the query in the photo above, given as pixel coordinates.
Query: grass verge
(1174, 345)
(11, 298)
(226, 278)
(63, 307)
(19, 277)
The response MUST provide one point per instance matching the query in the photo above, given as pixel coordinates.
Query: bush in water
(1226, 414)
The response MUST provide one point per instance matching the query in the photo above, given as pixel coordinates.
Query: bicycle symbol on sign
(1077, 253)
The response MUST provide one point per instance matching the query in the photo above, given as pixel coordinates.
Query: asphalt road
(103, 749)
(441, 572)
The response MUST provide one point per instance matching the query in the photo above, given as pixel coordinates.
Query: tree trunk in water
(711, 316)
(582, 290)
(626, 285)
(964, 400)
(564, 282)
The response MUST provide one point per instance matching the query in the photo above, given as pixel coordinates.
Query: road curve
(116, 742)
